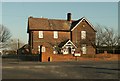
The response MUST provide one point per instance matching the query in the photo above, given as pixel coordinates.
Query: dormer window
(83, 34)
(40, 34)
(55, 34)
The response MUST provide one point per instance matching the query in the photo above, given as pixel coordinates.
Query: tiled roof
(53, 24)
(74, 23)
(48, 24)
(63, 43)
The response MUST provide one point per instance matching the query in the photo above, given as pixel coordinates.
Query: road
(60, 70)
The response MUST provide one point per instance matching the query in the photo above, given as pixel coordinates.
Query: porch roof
(66, 42)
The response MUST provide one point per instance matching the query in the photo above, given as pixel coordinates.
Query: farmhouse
(57, 36)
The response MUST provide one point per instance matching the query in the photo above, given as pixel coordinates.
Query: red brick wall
(48, 40)
(76, 33)
(46, 57)
(57, 57)
(91, 50)
(90, 36)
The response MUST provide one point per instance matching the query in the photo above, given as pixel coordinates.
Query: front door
(69, 50)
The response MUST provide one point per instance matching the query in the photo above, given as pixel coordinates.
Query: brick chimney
(69, 17)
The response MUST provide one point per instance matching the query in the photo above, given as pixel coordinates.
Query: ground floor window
(43, 49)
(68, 50)
(39, 48)
(65, 51)
(84, 49)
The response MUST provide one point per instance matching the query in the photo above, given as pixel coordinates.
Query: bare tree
(15, 44)
(5, 35)
(106, 36)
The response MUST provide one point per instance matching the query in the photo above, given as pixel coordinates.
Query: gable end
(83, 18)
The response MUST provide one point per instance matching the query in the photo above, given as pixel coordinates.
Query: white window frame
(43, 49)
(83, 34)
(40, 34)
(84, 49)
(39, 48)
(55, 34)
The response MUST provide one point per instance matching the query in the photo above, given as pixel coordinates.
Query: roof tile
(48, 24)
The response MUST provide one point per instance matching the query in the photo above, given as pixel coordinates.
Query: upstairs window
(40, 34)
(55, 34)
(83, 34)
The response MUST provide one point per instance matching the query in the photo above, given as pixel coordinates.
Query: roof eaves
(90, 24)
(67, 42)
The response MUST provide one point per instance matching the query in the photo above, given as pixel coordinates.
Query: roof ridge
(37, 18)
(59, 19)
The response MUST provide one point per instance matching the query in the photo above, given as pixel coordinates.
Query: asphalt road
(60, 70)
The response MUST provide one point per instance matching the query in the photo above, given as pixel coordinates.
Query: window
(83, 34)
(39, 48)
(55, 34)
(43, 49)
(40, 34)
(83, 25)
(84, 49)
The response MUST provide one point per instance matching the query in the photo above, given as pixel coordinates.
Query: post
(18, 45)
(77, 55)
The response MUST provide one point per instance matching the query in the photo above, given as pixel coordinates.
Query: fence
(44, 57)
(112, 51)
(14, 57)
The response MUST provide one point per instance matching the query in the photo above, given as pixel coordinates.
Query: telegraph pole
(18, 48)
(18, 44)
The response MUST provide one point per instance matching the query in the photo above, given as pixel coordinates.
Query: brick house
(61, 36)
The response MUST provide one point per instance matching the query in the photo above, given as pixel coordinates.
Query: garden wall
(59, 57)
